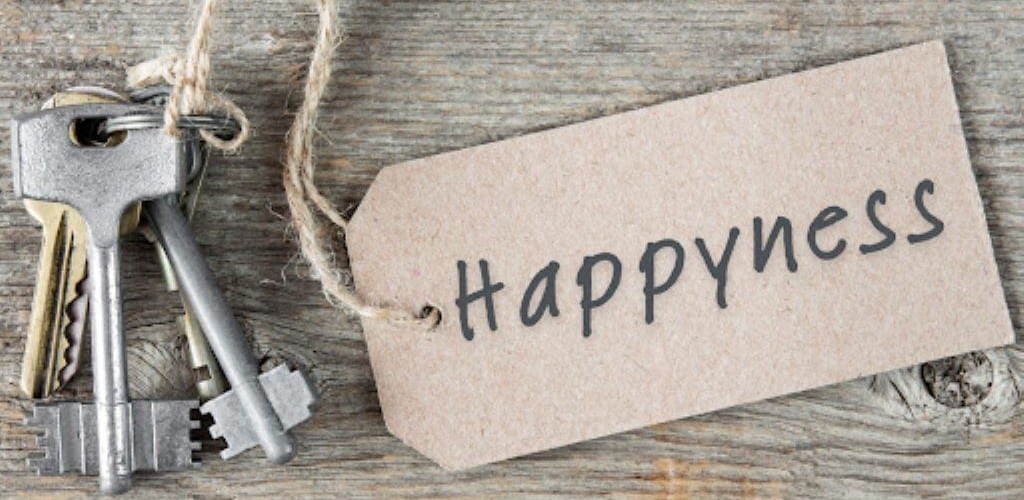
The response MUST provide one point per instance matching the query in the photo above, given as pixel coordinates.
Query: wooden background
(416, 78)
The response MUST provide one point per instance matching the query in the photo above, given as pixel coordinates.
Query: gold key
(59, 308)
(59, 303)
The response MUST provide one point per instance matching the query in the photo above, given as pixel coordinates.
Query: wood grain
(416, 78)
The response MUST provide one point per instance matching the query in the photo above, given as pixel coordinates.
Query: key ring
(222, 126)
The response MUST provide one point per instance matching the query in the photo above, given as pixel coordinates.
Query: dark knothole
(958, 381)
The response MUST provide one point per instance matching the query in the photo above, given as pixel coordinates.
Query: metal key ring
(219, 125)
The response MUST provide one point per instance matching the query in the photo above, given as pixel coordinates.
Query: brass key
(59, 303)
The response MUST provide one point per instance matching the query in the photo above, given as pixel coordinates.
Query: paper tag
(678, 259)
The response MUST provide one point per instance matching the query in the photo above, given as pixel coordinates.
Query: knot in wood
(959, 381)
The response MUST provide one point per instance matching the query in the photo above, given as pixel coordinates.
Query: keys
(59, 303)
(208, 374)
(210, 381)
(209, 377)
(259, 409)
(101, 183)
(104, 177)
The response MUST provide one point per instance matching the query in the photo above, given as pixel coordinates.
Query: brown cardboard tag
(678, 259)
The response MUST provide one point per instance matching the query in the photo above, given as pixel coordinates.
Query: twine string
(307, 205)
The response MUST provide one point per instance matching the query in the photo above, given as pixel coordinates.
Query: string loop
(307, 205)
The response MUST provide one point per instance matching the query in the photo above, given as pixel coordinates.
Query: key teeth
(194, 425)
(44, 461)
(314, 397)
(194, 415)
(76, 312)
(195, 447)
(41, 417)
(289, 392)
(162, 437)
(233, 451)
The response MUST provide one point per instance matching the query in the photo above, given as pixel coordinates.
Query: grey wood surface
(416, 78)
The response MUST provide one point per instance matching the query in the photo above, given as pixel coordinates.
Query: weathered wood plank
(416, 78)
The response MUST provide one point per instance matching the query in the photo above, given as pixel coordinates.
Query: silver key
(259, 409)
(100, 183)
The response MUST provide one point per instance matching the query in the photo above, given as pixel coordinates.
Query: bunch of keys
(88, 165)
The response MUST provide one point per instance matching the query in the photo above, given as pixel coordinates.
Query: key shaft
(224, 334)
(110, 369)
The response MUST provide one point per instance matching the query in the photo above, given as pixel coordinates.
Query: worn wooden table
(416, 78)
